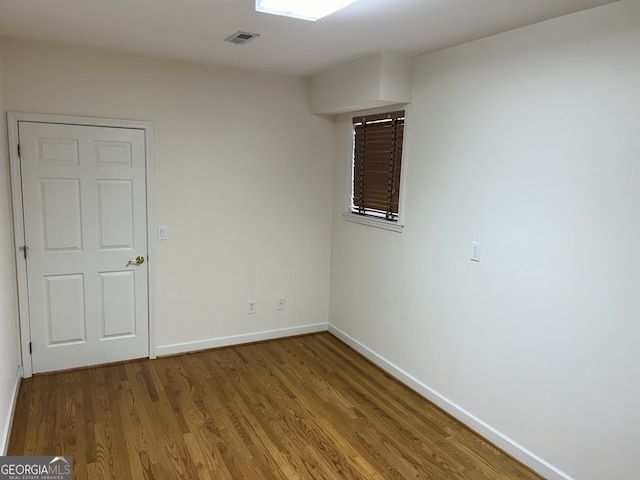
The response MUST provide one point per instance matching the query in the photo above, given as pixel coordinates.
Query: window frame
(371, 220)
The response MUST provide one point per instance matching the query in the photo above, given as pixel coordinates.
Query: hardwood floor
(299, 408)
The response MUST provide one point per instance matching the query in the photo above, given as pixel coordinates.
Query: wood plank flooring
(299, 408)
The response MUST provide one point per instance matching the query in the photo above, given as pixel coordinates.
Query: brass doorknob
(139, 259)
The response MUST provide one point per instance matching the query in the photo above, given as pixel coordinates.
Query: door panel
(115, 209)
(84, 204)
(113, 153)
(66, 320)
(57, 151)
(118, 304)
(61, 225)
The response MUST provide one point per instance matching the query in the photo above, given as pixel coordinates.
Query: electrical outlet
(280, 303)
(475, 251)
(251, 307)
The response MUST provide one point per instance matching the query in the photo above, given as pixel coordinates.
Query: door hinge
(19, 151)
(30, 349)
(24, 249)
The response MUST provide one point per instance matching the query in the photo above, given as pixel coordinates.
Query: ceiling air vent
(241, 38)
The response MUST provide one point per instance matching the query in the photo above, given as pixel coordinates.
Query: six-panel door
(85, 218)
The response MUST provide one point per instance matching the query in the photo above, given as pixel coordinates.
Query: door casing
(13, 119)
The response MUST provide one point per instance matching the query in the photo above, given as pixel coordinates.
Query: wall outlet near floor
(251, 307)
(475, 251)
(280, 303)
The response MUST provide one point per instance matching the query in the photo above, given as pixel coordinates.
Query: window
(377, 161)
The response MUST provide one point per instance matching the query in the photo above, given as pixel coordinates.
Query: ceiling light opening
(303, 9)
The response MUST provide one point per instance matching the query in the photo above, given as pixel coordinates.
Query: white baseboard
(499, 439)
(496, 437)
(185, 347)
(9, 418)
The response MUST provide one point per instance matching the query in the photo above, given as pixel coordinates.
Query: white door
(84, 204)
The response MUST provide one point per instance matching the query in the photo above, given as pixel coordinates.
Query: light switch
(162, 232)
(475, 251)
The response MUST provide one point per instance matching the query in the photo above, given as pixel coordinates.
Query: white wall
(9, 340)
(243, 176)
(528, 142)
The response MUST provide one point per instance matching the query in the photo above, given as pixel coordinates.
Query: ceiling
(195, 29)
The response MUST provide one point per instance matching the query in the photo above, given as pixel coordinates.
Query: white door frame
(18, 216)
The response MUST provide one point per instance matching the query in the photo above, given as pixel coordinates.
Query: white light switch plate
(162, 232)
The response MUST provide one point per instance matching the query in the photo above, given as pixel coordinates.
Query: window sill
(374, 222)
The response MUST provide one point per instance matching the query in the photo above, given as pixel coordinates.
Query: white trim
(18, 232)
(18, 215)
(186, 347)
(151, 239)
(374, 222)
(496, 437)
(4, 445)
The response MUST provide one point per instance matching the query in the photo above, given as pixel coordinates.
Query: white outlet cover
(475, 251)
(251, 307)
